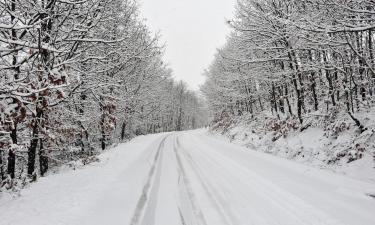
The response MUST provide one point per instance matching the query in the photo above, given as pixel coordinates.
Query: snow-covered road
(191, 178)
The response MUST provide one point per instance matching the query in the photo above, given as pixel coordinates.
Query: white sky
(192, 31)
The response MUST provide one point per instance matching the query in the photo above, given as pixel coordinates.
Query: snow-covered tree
(78, 76)
(295, 59)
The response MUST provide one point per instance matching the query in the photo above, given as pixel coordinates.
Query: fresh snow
(312, 146)
(191, 178)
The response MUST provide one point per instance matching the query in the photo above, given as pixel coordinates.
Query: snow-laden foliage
(76, 76)
(294, 65)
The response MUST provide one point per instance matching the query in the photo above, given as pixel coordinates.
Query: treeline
(77, 76)
(296, 58)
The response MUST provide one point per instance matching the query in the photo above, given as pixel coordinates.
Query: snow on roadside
(338, 147)
(54, 198)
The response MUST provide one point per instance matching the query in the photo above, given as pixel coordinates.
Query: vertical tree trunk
(351, 89)
(123, 130)
(13, 131)
(346, 90)
(12, 154)
(372, 61)
(313, 91)
(81, 110)
(32, 153)
(103, 133)
(2, 170)
(361, 65)
(299, 100)
(355, 91)
(297, 89)
(313, 84)
(281, 100)
(331, 91)
(274, 101)
(260, 104)
(300, 80)
(179, 119)
(43, 158)
(251, 106)
(46, 22)
(34, 141)
(287, 100)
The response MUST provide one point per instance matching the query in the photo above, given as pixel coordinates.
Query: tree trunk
(281, 100)
(313, 91)
(274, 101)
(34, 142)
(299, 78)
(287, 100)
(260, 104)
(313, 84)
(123, 130)
(44, 37)
(102, 122)
(43, 158)
(299, 100)
(2, 170)
(179, 119)
(12, 154)
(361, 65)
(16, 68)
(346, 90)
(297, 90)
(328, 74)
(372, 61)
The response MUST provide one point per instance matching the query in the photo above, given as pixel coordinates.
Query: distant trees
(76, 76)
(294, 57)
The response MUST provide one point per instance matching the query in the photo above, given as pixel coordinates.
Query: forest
(77, 77)
(105, 120)
(291, 65)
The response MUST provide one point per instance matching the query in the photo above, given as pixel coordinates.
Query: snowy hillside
(339, 146)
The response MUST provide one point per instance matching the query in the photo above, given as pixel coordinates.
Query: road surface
(192, 178)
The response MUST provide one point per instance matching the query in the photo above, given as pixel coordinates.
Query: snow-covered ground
(337, 146)
(191, 178)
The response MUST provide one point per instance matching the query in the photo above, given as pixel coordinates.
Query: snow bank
(337, 146)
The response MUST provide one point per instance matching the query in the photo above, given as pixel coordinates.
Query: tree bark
(2, 170)
(274, 101)
(12, 154)
(297, 90)
(313, 84)
(16, 68)
(287, 100)
(43, 158)
(34, 142)
(123, 130)
(103, 133)
(281, 100)
(372, 60)
(331, 91)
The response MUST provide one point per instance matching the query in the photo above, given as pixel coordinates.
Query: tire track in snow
(181, 217)
(145, 209)
(216, 199)
(289, 203)
(186, 185)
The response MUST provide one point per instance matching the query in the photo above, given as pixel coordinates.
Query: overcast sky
(191, 30)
